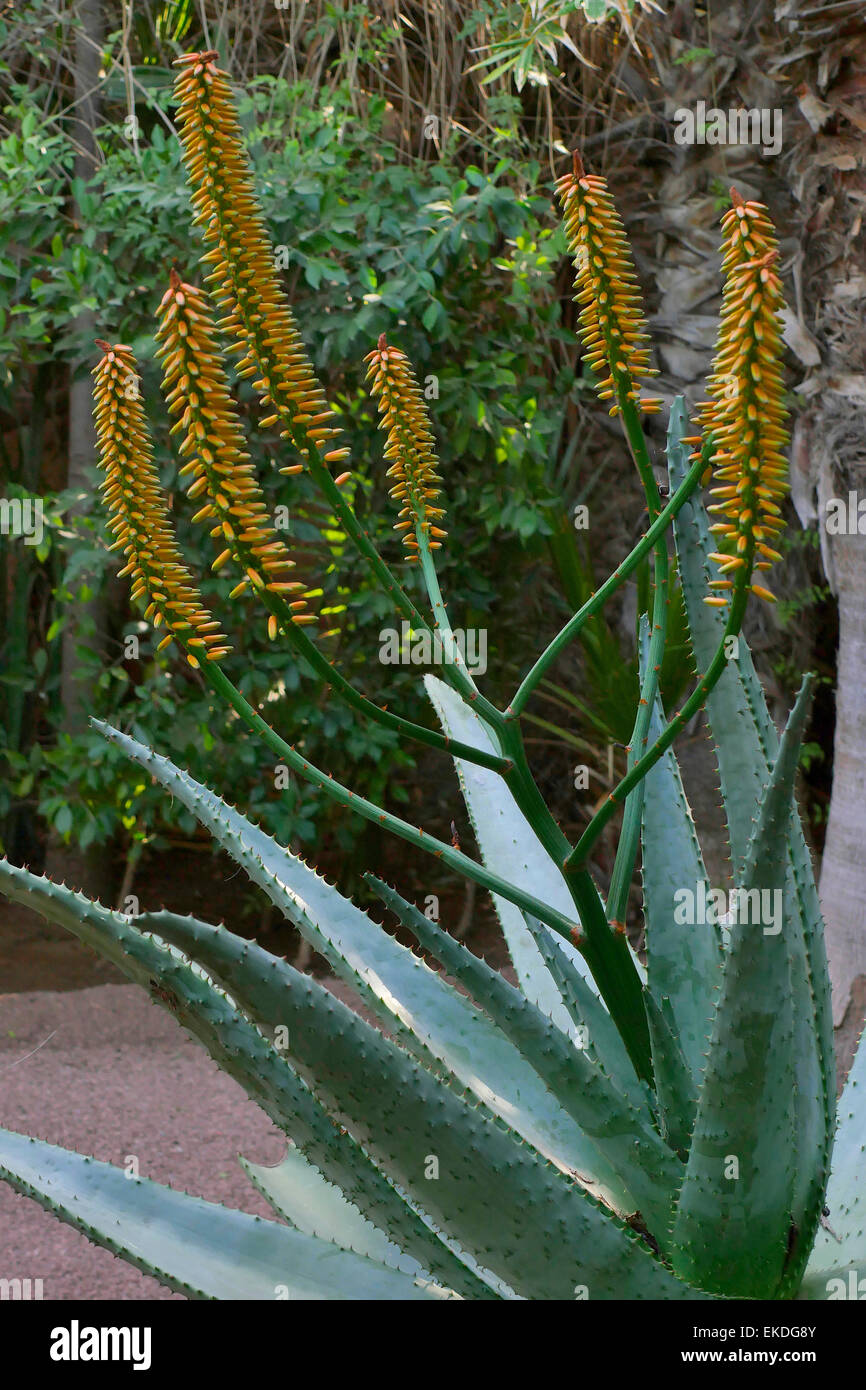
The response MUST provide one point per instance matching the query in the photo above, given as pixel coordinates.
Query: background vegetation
(393, 218)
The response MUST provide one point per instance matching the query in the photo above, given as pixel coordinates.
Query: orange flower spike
(611, 322)
(746, 413)
(139, 518)
(406, 422)
(196, 387)
(258, 318)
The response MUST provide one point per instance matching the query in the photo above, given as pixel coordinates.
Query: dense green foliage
(463, 261)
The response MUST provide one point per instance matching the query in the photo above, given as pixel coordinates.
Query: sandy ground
(116, 1076)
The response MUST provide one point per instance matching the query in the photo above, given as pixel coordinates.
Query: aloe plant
(603, 1129)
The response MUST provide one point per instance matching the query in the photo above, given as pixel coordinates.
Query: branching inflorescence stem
(742, 437)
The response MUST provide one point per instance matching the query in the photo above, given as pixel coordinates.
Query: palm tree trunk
(843, 872)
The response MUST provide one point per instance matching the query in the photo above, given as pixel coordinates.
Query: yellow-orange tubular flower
(406, 422)
(138, 514)
(611, 322)
(745, 414)
(219, 468)
(258, 319)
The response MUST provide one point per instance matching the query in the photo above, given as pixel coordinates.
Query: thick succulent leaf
(683, 958)
(733, 1231)
(510, 848)
(451, 1156)
(747, 745)
(676, 1091)
(426, 1013)
(241, 1051)
(593, 1024)
(297, 1191)
(621, 1133)
(837, 1264)
(199, 1248)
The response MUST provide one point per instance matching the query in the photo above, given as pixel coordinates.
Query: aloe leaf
(837, 1265)
(506, 837)
(241, 1051)
(621, 1133)
(199, 1248)
(261, 982)
(593, 1024)
(297, 1191)
(683, 956)
(411, 998)
(747, 745)
(510, 848)
(740, 1172)
(676, 1091)
(452, 1157)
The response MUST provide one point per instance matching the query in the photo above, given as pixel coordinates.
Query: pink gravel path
(117, 1077)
